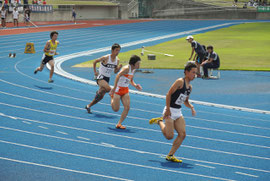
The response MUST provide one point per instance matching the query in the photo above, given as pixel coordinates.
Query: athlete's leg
(115, 102)
(168, 128)
(126, 103)
(180, 127)
(51, 63)
(103, 88)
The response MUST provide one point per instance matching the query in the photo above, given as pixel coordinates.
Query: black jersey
(179, 96)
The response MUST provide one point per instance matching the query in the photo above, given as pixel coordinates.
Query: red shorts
(121, 91)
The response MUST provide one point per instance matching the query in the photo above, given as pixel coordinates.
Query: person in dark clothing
(212, 61)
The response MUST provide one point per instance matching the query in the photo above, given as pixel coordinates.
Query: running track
(45, 133)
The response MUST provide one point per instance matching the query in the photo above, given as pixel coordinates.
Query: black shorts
(200, 58)
(46, 59)
(102, 77)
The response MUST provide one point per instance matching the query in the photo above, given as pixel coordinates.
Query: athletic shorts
(175, 113)
(46, 59)
(121, 91)
(102, 77)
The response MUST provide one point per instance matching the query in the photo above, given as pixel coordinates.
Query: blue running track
(46, 134)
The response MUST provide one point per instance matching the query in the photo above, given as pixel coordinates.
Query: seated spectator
(44, 2)
(211, 62)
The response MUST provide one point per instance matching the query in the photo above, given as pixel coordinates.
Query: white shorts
(175, 113)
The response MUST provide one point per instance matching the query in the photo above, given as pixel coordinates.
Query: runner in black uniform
(172, 114)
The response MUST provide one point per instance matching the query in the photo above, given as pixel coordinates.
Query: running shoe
(155, 120)
(88, 109)
(50, 81)
(173, 159)
(35, 72)
(119, 126)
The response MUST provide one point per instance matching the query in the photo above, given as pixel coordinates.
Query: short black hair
(210, 47)
(134, 59)
(189, 66)
(52, 33)
(116, 45)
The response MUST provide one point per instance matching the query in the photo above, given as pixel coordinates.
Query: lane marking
(43, 127)
(83, 138)
(247, 174)
(107, 144)
(126, 149)
(26, 122)
(205, 166)
(114, 161)
(62, 132)
(64, 169)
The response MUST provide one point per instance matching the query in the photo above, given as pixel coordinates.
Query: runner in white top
(15, 16)
(120, 89)
(108, 64)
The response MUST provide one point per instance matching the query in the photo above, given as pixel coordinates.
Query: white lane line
(191, 147)
(247, 174)
(139, 151)
(83, 138)
(26, 122)
(69, 97)
(62, 132)
(107, 144)
(205, 166)
(65, 169)
(43, 127)
(114, 161)
(131, 117)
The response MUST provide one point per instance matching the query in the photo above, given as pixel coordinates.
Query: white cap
(189, 37)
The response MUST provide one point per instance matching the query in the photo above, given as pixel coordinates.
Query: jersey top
(215, 58)
(198, 47)
(52, 49)
(125, 79)
(106, 69)
(179, 96)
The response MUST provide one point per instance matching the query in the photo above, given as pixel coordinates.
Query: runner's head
(116, 49)
(190, 70)
(135, 61)
(54, 35)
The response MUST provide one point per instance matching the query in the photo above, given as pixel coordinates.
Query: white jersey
(125, 79)
(15, 14)
(3, 13)
(106, 69)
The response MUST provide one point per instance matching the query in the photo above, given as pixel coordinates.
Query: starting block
(211, 76)
(151, 57)
(29, 48)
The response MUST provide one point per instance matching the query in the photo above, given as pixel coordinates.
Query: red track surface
(59, 25)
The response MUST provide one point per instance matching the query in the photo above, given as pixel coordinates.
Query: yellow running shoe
(173, 159)
(155, 120)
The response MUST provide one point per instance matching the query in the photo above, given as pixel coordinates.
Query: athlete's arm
(101, 59)
(176, 85)
(47, 48)
(189, 105)
(192, 52)
(118, 67)
(137, 86)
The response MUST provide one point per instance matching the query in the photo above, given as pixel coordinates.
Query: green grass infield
(240, 47)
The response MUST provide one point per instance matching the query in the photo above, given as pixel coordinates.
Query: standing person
(49, 52)
(211, 62)
(73, 15)
(15, 16)
(120, 89)
(108, 63)
(172, 113)
(27, 13)
(198, 48)
(3, 16)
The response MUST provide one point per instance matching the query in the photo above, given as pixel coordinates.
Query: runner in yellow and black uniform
(49, 52)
